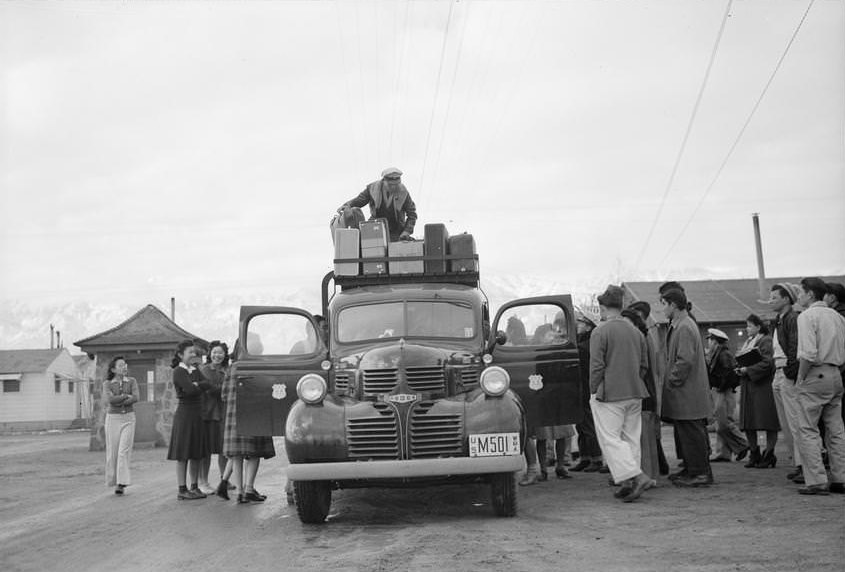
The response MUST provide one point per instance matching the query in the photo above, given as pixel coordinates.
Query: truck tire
(313, 499)
(503, 494)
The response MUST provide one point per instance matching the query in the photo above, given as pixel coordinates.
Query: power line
(686, 135)
(738, 137)
(451, 94)
(397, 82)
(436, 94)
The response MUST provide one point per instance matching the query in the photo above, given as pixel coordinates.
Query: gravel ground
(56, 514)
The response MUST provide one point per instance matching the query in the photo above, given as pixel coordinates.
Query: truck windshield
(439, 319)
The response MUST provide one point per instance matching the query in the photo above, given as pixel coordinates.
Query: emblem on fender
(280, 391)
(402, 398)
(535, 382)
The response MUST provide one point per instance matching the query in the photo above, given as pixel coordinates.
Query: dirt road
(55, 514)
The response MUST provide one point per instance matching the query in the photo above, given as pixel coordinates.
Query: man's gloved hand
(405, 236)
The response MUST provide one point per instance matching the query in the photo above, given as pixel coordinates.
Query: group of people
(790, 380)
(204, 424)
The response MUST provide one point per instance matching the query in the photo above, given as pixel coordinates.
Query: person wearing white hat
(723, 382)
(388, 199)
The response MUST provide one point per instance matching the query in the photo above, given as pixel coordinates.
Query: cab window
(535, 325)
(414, 319)
(280, 334)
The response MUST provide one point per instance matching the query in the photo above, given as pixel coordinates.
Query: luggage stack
(438, 254)
(374, 245)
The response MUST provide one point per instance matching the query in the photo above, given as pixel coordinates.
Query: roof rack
(471, 278)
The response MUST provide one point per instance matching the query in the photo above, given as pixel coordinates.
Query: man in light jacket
(686, 393)
(618, 364)
(388, 199)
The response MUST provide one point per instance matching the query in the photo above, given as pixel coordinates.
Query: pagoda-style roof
(147, 329)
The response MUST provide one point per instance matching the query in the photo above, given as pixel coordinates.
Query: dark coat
(721, 369)
(686, 392)
(404, 209)
(787, 329)
(757, 410)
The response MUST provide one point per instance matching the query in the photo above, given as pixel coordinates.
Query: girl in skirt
(214, 373)
(188, 444)
(244, 453)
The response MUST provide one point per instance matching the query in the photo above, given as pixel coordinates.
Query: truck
(404, 381)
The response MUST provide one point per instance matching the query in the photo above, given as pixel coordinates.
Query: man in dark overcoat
(686, 394)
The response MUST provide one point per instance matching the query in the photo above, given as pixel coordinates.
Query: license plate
(494, 444)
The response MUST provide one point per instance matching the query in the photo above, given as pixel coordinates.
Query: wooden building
(40, 390)
(147, 341)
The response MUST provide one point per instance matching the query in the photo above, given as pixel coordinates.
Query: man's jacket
(787, 329)
(721, 369)
(404, 209)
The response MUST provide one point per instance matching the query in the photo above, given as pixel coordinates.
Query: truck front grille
(426, 378)
(435, 435)
(469, 375)
(341, 380)
(380, 380)
(375, 437)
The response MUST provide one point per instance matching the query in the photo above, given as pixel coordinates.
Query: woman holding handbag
(757, 411)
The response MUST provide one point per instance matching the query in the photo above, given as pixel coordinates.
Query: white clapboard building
(39, 389)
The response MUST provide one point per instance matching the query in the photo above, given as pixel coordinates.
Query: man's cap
(391, 171)
(716, 333)
(793, 290)
(611, 297)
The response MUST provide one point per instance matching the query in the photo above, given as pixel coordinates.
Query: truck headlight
(494, 381)
(311, 388)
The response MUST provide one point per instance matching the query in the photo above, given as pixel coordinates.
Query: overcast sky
(181, 148)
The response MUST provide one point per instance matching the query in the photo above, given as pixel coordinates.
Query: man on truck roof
(388, 199)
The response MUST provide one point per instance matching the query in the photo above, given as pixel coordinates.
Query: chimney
(173, 308)
(58, 340)
(761, 272)
(52, 335)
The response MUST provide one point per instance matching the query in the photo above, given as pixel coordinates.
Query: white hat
(390, 171)
(714, 333)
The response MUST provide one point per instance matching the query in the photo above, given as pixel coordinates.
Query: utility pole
(761, 272)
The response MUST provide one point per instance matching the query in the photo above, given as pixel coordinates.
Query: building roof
(27, 361)
(148, 327)
(715, 301)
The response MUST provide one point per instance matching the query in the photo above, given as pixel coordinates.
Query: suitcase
(462, 245)
(436, 237)
(374, 267)
(406, 248)
(349, 218)
(374, 234)
(346, 241)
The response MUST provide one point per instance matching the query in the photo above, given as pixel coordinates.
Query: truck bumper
(404, 469)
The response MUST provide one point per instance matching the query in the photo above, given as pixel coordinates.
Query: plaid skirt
(234, 444)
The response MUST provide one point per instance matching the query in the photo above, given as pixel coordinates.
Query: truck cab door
(541, 355)
(276, 347)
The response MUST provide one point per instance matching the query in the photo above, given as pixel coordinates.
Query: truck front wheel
(313, 499)
(503, 494)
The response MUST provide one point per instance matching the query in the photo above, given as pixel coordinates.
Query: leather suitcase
(406, 248)
(462, 245)
(346, 241)
(374, 234)
(436, 237)
(374, 267)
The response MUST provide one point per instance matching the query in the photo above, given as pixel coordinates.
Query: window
(57, 385)
(70, 387)
(281, 335)
(11, 385)
(414, 319)
(535, 325)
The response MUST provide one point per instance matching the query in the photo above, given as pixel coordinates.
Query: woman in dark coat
(757, 411)
(188, 445)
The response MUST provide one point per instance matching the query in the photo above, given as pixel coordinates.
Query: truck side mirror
(500, 339)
